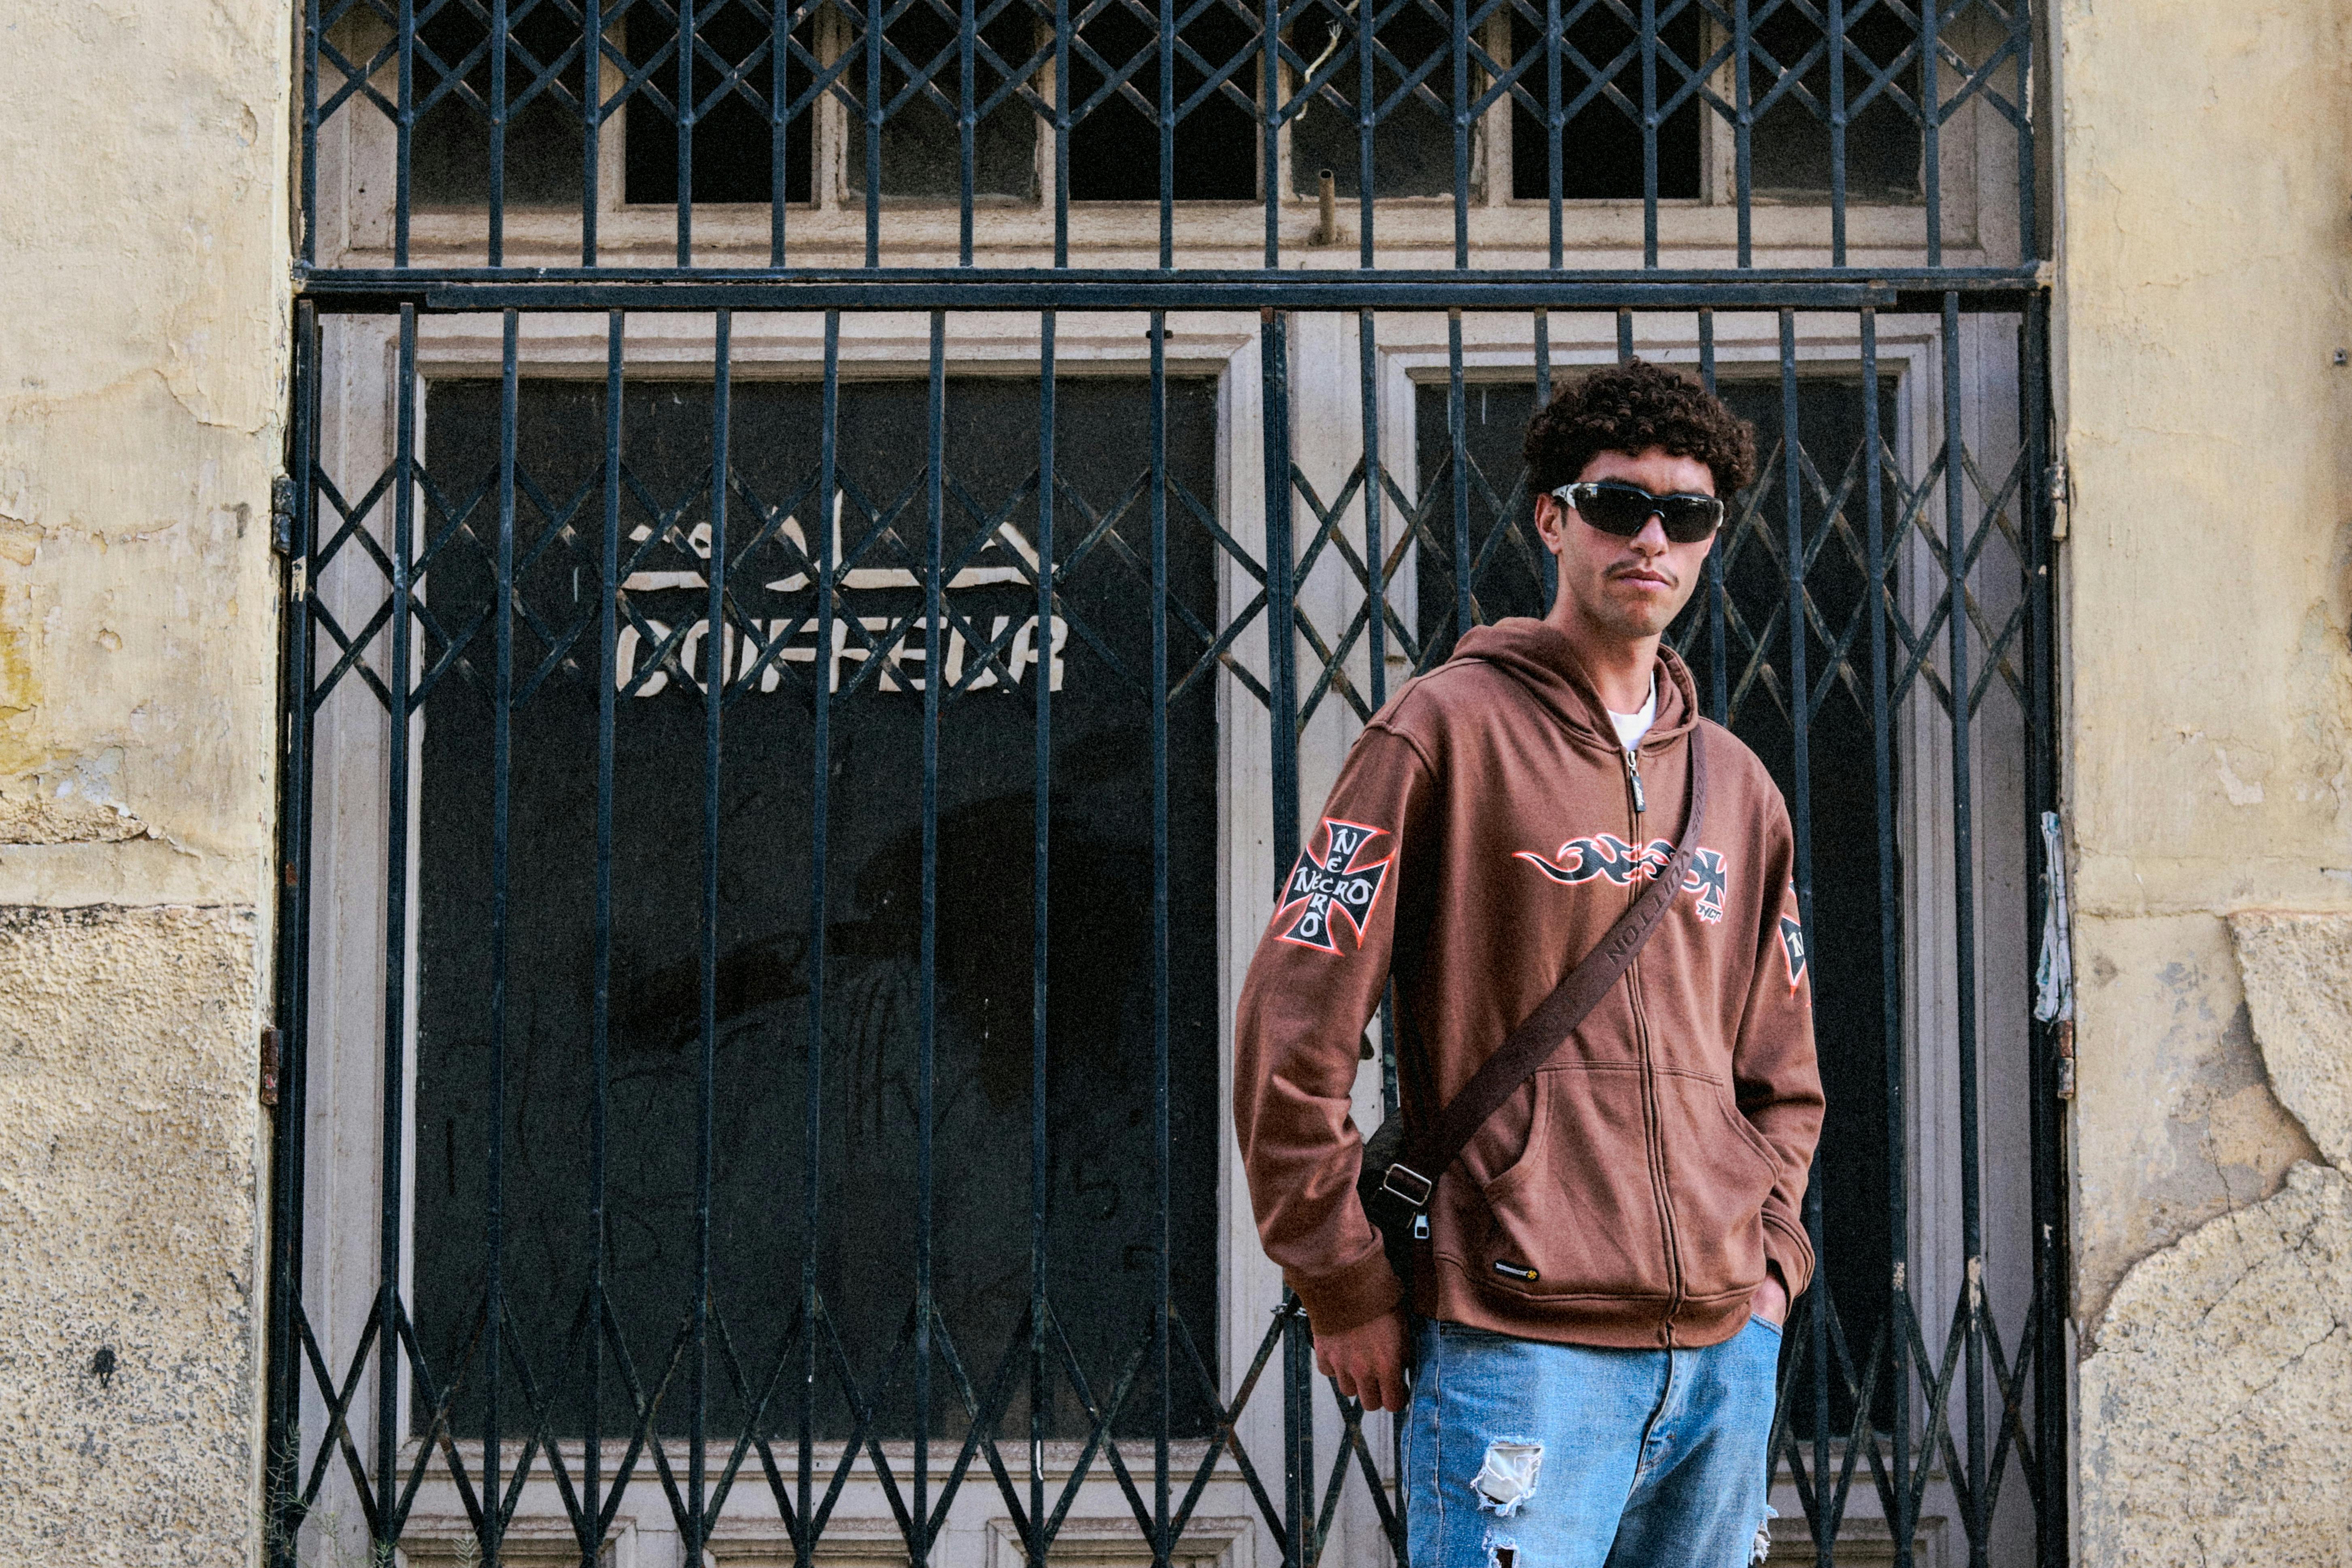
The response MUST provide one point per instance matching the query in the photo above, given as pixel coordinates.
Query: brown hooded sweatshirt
(1486, 830)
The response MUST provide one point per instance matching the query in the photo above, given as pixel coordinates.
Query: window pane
(734, 145)
(450, 154)
(1412, 144)
(1601, 143)
(1101, 1213)
(922, 151)
(1115, 148)
(1789, 150)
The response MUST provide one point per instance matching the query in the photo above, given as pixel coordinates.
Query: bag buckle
(1405, 1195)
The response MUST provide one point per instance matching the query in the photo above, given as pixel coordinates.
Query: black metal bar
(1649, 133)
(1281, 598)
(2021, 17)
(379, 290)
(1269, 97)
(1061, 137)
(396, 926)
(1801, 822)
(501, 810)
(1027, 291)
(1282, 719)
(1376, 591)
(780, 35)
(310, 33)
(1367, 117)
(1166, 60)
(500, 44)
(592, 125)
(405, 124)
(872, 43)
(686, 120)
(1718, 647)
(1964, 1000)
(1624, 334)
(2047, 1130)
(714, 709)
(1459, 49)
(1548, 564)
(967, 124)
(1041, 806)
(1163, 1364)
(600, 1042)
(283, 1442)
(1743, 128)
(1835, 42)
(1457, 429)
(1931, 124)
(820, 832)
(1882, 745)
(934, 583)
(1030, 293)
(1555, 124)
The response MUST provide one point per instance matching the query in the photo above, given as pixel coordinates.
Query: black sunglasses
(1616, 507)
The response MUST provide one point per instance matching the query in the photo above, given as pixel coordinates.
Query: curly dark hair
(1631, 408)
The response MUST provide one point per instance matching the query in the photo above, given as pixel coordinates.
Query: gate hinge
(281, 515)
(269, 1065)
(2059, 488)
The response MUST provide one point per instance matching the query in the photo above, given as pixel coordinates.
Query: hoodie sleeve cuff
(1354, 1295)
(1787, 1249)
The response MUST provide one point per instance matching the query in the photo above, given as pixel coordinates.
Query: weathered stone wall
(143, 349)
(2204, 286)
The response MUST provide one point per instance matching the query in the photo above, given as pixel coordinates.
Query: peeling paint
(2175, 1123)
(2217, 1392)
(2299, 979)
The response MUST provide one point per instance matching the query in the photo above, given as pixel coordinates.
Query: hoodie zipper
(1652, 1139)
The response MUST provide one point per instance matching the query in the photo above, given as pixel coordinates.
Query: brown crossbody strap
(1413, 1179)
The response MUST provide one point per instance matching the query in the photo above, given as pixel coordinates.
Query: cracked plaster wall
(2205, 272)
(143, 244)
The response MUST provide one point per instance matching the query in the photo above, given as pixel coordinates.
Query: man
(1597, 1301)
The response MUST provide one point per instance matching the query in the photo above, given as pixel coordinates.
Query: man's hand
(1367, 1362)
(1771, 1301)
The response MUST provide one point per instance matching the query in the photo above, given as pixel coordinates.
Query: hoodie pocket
(1577, 1214)
(1719, 1170)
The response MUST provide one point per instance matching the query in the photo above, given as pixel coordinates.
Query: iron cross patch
(1335, 883)
(1792, 948)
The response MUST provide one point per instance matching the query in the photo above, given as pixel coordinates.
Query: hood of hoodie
(1541, 658)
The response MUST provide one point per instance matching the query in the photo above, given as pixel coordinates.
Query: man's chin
(1645, 615)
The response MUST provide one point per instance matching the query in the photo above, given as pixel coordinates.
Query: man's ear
(1548, 519)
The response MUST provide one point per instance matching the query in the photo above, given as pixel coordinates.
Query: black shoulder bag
(1400, 1172)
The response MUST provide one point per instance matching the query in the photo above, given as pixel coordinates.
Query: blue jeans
(1519, 1454)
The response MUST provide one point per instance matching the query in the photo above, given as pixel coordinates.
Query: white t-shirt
(1632, 726)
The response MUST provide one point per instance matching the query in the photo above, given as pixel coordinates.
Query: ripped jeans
(1519, 1454)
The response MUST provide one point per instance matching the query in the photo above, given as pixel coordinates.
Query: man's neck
(1623, 671)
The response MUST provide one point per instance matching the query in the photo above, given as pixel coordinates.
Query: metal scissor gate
(830, 546)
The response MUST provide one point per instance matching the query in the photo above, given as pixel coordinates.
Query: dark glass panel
(1412, 144)
(1115, 149)
(922, 151)
(1100, 1218)
(734, 147)
(449, 158)
(1601, 144)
